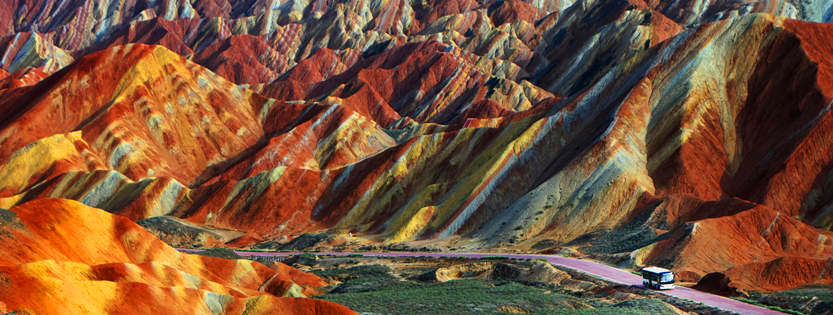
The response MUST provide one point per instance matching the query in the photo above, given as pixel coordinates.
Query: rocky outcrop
(689, 12)
(527, 272)
(769, 250)
(183, 234)
(27, 50)
(716, 283)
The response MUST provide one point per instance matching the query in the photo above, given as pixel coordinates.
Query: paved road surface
(597, 269)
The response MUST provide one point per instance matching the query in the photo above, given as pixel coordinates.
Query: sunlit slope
(63, 257)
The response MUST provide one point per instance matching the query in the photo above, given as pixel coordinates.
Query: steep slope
(158, 124)
(787, 253)
(44, 159)
(133, 104)
(688, 12)
(31, 50)
(47, 269)
(506, 30)
(232, 59)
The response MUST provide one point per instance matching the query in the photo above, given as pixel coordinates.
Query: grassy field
(774, 308)
(373, 290)
(812, 299)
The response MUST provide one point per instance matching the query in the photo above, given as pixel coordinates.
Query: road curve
(602, 271)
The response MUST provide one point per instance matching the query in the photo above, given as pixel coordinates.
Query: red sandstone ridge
(787, 254)
(514, 10)
(52, 265)
(145, 110)
(243, 59)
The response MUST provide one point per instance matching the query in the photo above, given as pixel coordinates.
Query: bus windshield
(667, 277)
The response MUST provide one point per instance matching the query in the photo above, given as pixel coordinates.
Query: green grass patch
(382, 294)
(822, 292)
(774, 308)
(373, 271)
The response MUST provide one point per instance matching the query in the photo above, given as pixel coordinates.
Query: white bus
(657, 278)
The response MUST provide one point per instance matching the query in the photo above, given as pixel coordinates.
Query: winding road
(587, 266)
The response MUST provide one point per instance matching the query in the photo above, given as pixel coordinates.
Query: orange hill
(62, 257)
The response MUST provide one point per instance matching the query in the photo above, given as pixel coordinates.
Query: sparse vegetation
(774, 308)
(391, 286)
(220, 252)
(467, 296)
(367, 271)
(812, 299)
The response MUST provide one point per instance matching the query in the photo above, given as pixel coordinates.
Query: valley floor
(463, 283)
